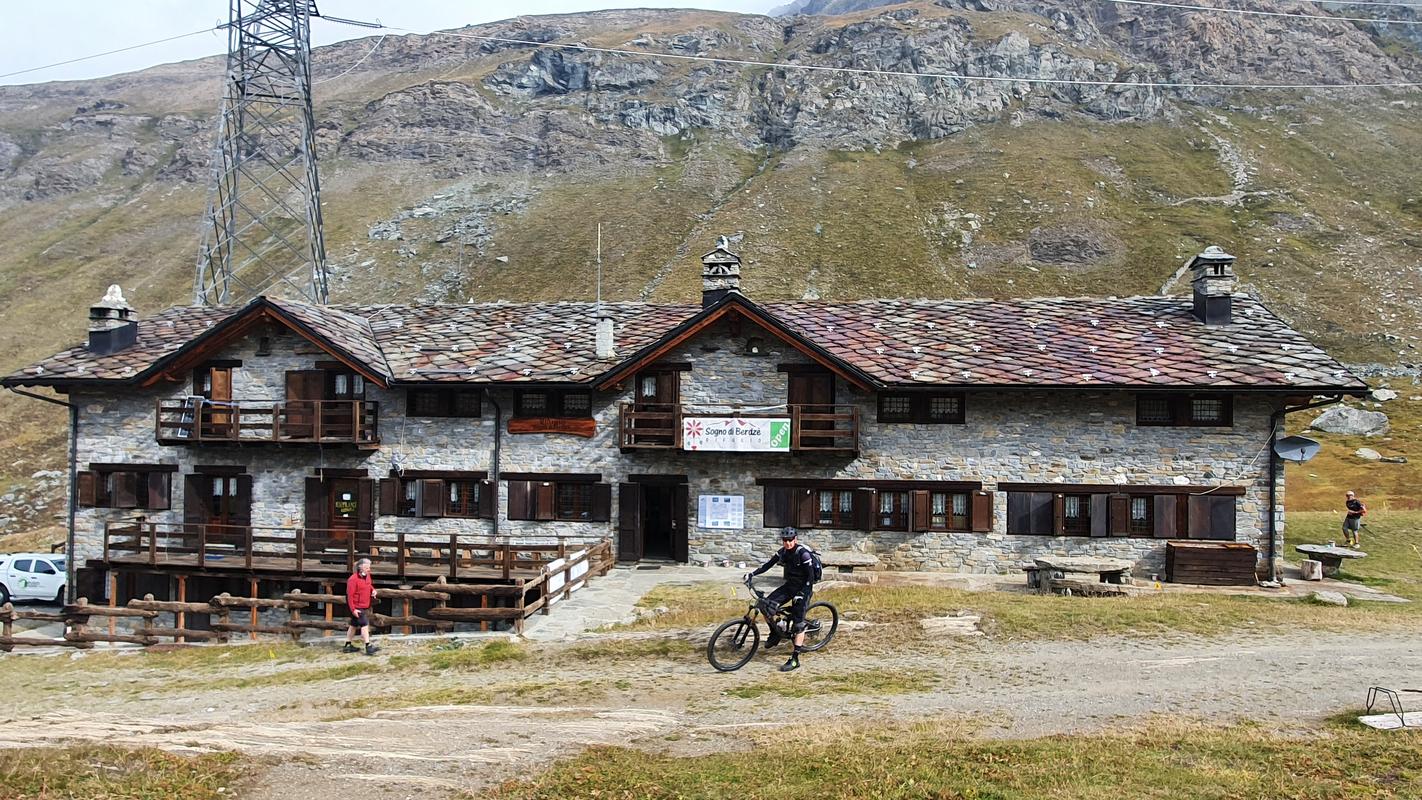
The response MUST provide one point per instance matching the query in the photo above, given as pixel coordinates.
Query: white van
(32, 576)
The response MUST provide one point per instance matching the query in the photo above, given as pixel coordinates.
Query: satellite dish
(1296, 448)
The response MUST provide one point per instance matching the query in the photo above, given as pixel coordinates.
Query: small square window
(1142, 519)
(425, 403)
(1153, 411)
(895, 408)
(577, 404)
(533, 404)
(466, 404)
(1206, 411)
(945, 408)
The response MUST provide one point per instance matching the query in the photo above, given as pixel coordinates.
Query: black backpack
(817, 566)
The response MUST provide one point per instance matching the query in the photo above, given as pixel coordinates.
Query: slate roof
(1137, 342)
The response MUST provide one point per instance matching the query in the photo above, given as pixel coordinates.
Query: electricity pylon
(262, 233)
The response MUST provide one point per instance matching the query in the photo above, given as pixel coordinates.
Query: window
(836, 508)
(425, 494)
(443, 403)
(138, 486)
(1142, 521)
(948, 511)
(1180, 410)
(562, 403)
(574, 501)
(568, 498)
(1076, 514)
(934, 408)
(43, 568)
(893, 511)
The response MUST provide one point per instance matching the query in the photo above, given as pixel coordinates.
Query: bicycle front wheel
(821, 621)
(732, 645)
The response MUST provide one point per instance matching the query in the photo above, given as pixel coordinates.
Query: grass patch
(631, 650)
(1164, 761)
(868, 681)
(521, 693)
(116, 773)
(453, 654)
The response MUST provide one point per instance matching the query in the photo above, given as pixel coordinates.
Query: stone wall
(1021, 436)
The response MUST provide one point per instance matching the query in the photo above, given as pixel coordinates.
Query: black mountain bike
(734, 643)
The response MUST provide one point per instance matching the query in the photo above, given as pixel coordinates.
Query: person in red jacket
(360, 594)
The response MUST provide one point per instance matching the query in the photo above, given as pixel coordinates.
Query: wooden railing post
(247, 537)
(300, 550)
(350, 550)
(795, 427)
(152, 542)
(277, 410)
(355, 420)
(454, 556)
(400, 554)
(316, 432)
(180, 618)
(506, 556)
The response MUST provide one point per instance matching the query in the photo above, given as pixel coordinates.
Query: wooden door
(214, 385)
(304, 390)
(343, 512)
(343, 389)
(658, 393)
(813, 393)
(629, 522)
(680, 499)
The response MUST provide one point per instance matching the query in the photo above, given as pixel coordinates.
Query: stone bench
(847, 560)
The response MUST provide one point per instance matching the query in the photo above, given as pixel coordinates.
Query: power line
(1261, 13)
(905, 74)
(107, 53)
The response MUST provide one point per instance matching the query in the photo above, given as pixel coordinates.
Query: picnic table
(1049, 573)
(1330, 555)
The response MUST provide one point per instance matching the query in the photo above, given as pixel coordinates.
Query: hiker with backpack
(802, 567)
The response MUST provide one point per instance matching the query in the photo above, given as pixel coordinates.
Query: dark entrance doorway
(813, 393)
(652, 519)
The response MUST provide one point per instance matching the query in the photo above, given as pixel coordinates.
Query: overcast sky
(36, 34)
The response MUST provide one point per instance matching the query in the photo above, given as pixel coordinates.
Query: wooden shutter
(1164, 516)
(544, 496)
(519, 495)
(1119, 513)
(776, 507)
(864, 509)
(389, 497)
(1058, 514)
(160, 491)
(242, 507)
(316, 505)
(87, 489)
(601, 502)
(919, 516)
(1210, 516)
(807, 509)
(629, 522)
(981, 520)
(126, 490)
(488, 498)
(432, 497)
(1098, 515)
(194, 503)
(365, 504)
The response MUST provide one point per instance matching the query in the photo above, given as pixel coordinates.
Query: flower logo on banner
(693, 433)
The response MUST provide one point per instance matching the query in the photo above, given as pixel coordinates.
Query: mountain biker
(799, 584)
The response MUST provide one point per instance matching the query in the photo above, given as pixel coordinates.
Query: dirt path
(313, 745)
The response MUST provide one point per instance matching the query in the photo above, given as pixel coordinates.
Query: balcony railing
(195, 420)
(812, 428)
(334, 551)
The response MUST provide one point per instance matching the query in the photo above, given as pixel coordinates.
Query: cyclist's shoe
(349, 648)
(774, 637)
(371, 649)
(792, 663)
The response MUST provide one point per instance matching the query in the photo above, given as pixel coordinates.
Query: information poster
(721, 512)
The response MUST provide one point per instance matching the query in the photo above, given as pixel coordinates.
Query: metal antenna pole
(262, 232)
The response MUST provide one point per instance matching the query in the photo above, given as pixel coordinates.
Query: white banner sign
(763, 435)
(721, 511)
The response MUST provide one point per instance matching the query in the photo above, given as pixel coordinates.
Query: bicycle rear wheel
(732, 645)
(821, 621)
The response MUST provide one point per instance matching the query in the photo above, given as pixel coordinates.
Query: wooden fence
(228, 615)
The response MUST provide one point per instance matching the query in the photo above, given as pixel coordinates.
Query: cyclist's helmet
(789, 533)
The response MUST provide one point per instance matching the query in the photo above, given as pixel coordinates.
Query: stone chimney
(606, 344)
(1214, 282)
(113, 324)
(720, 273)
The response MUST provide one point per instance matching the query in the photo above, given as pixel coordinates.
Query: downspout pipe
(494, 469)
(71, 567)
(1276, 423)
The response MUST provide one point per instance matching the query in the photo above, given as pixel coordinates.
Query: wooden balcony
(813, 428)
(197, 421)
(332, 553)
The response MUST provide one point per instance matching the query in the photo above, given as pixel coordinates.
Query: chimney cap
(114, 299)
(1211, 256)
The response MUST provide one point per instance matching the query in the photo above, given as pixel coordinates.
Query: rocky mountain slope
(458, 167)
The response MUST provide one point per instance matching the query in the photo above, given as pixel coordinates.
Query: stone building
(933, 434)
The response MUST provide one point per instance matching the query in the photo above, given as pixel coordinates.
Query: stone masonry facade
(1022, 435)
